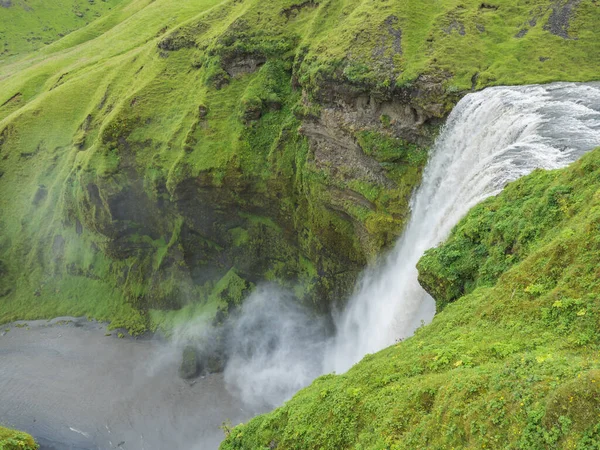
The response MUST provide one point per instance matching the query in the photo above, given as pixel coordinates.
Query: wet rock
(488, 6)
(395, 33)
(455, 25)
(201, 359)
(40, 195)
(176, 41)
(239, 66)
(252, 111)
(213, 364)
(202, 112)
(294, 10)
(521, 33)
(559, 21)
(390, 45)
(189, 363)
(184, 37)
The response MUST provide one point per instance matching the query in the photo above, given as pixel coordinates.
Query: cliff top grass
(512, 363)
(156, 94)
(16, 440)
(27, 25)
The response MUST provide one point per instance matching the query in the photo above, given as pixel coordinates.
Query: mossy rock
(189, 367)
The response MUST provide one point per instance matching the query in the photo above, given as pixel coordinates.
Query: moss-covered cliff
(511, 361)
(173, 154)
(16, 440)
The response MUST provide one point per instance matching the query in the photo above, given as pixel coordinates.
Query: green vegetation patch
(469, 44)
(513, 363)
(550, 210)
(16, 440)
(27, 25)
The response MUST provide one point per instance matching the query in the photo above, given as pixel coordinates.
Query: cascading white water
(491, 138)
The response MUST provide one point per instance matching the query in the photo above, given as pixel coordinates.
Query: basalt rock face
(393, 119)
(407, 113)
(176, 162)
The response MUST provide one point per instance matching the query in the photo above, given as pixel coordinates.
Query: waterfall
(275, 346)
(491, 137)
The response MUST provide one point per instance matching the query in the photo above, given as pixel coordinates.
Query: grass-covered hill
(16, 440)
(174, 153)
(27, 25)
(511, 361)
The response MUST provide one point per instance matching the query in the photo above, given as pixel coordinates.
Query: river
(72, 387)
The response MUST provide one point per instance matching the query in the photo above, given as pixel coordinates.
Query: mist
(275, 347)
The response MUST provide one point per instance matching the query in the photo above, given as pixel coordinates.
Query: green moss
(16, 440)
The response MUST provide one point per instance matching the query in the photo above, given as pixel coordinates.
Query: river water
(72, 387)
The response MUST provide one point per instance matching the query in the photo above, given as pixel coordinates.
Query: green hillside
(511, 362)
(172, 154)
(27, 25)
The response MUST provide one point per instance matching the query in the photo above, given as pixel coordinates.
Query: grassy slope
(16, 440)
(109, 103)
(514, 363)
(27, 25)
(94, 64)
(472, 43)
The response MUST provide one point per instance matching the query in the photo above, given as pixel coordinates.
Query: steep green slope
(514, 363)
(16, 440)
(504, 231)
(26, 25)
(173, 154)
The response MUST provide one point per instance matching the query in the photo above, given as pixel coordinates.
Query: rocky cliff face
(189, 152)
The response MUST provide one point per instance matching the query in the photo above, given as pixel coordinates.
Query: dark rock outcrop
(189, 367)
(559, 21)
